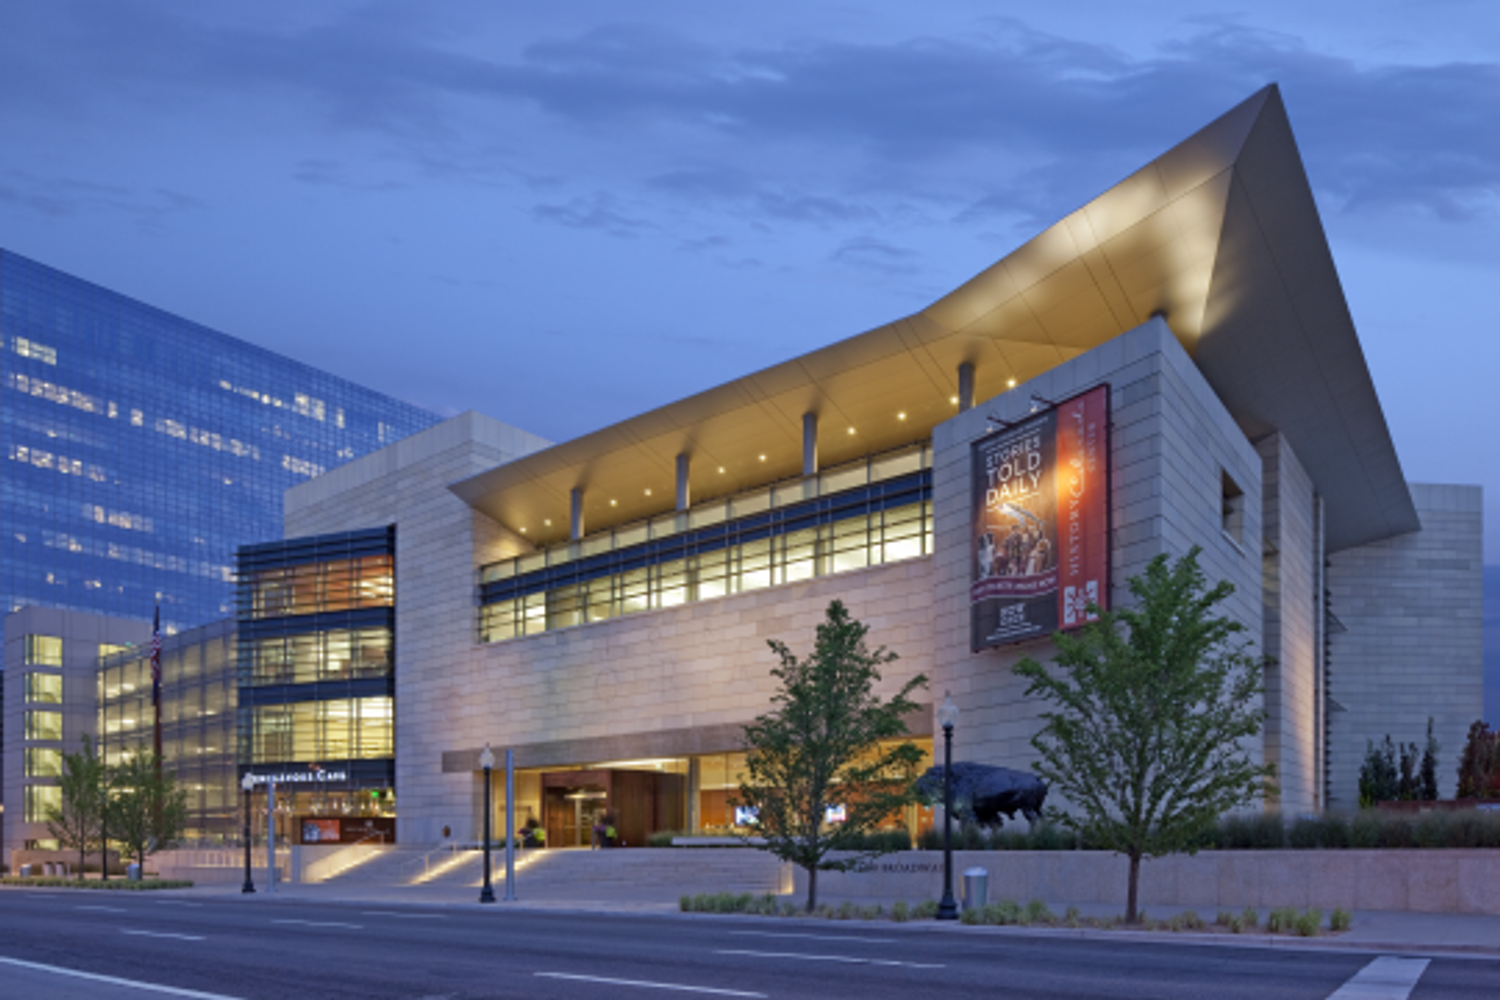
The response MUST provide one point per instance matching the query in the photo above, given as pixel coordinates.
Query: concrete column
(575, 531)
(694, 796)
(683, 495)
(809, 444)
(965, 386)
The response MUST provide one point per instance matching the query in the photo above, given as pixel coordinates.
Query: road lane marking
(103, 909)
(164, 934)
(1386, 978)
(133, 984)
(41, 895)
(175, 902)
(321, 923)
(648, 985)
(814, 937)
(848, 959)
(403, 916)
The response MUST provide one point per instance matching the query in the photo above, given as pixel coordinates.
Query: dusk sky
(563, 215)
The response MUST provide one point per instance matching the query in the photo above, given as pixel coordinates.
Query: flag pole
(156, 688)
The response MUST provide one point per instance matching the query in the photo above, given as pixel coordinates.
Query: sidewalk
(1398, 932)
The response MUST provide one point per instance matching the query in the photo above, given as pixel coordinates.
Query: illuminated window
(44, 650)
(43, 762)
(44, 725)
(338, 729)
(44, 688)
(41, 800)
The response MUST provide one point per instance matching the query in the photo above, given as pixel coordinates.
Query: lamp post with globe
(947, 715)
(487, 762)
(248, 784)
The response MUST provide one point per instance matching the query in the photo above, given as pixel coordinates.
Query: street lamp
(487, 761)
(947, 716)
(248, 784)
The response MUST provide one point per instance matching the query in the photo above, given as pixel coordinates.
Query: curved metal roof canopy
(1220, 234)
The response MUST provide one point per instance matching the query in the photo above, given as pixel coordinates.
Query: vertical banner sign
(1040, 507)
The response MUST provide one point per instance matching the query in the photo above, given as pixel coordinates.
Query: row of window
(315, 588)
(338, 729)
(885, 536)
(303, 658)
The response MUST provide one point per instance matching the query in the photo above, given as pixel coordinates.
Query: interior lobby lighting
(851, 430)
(721, 470)
(901, 416)
(762, 458)
(953, 400)
(547, 523)
(648, 492)
(1010, 383)
(614, 503)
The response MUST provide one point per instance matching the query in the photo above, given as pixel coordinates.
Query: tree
(76, 821)
(1150, 707)
(148, 811)
(829, 741)
(1479, 766)
(1429, 788)
(1379, 779)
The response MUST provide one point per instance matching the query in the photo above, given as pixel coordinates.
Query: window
(338, 729)
(44, 725)
(39, 800)
(1233, 510)
(44, 650)
(312, 588)
(45, 688)
(107, 649)
(42, 762)
(317, 656)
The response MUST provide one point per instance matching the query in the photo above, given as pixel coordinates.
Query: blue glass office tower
(140, 449)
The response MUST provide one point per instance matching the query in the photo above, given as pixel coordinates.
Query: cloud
(871, 254)
(598, 211)
(1004, 120)
(63, 197)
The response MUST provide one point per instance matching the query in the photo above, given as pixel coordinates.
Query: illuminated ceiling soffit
(1151, 244)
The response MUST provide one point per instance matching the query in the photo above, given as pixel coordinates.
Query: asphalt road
(53, 944)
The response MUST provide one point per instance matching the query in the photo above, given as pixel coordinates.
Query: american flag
(156, 659)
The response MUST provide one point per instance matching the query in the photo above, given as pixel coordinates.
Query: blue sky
(562, 216)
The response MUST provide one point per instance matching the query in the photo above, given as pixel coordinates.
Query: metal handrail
(409, 869)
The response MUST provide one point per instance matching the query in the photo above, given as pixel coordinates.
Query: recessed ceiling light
(762, 458)
(648, 493)
(547, 523)
(901, 416)
(523, 531)
(953, 400)
(851, 430)
(1010, 383)
(614, 503)
(721, 469)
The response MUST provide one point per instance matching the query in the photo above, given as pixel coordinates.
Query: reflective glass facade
(864, 514)
(197, 716)
(141, 449)
(316, 667)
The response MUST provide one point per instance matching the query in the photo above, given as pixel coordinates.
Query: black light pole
(947, 716)
(487, 761)
(247, 785)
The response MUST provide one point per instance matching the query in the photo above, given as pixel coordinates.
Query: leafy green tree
(1480, 763)
(1429, 785)
(147, 812)
(76, 821)
(829, 741)
(1379, 777)
(1150, 710)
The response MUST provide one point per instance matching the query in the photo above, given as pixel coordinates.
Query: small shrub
(971, 917)
(1223, 918)
(900, 912)
(1281, 921)
(930, 840)
(1037, 912)
(1308, 923)
(1434, 829)
(661, 838)
(973, 838)
(1072, 917)
(1250, 917)
(1364, 829)
(925, 910)
(1010, 840)
(1191, 921)
(1396, 831)
(1339, 920)
(871, 912)
(1048, 838)
(1235, 925)
(790, 909)
(824, 911)
(685, 904)
(846, 910)
(1304, 834)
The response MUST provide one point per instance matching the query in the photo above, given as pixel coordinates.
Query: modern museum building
(1172, 365)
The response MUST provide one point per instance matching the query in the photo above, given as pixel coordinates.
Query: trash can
(976, 888)
(49, 868)
(26, 871)
(132, 872)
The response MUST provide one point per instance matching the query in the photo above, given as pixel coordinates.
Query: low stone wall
(1417, 881)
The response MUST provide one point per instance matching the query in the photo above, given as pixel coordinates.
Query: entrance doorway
(572, 812)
